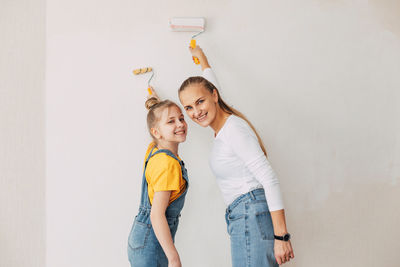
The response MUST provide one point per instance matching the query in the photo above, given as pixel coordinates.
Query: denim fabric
(144, 250)
(251, 231)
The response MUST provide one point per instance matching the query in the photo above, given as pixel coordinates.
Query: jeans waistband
(254, 194)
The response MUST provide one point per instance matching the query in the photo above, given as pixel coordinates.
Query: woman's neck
(172, 146)
(219, 121)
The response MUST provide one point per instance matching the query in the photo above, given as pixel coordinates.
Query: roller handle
(193, 45)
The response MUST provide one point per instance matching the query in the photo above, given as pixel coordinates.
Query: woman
(164, 187)
(255, 216)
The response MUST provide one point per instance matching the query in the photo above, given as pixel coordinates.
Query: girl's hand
(197, 52)
(153, 94)
(283, 251)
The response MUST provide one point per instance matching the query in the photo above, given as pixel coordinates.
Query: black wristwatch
(285, 237)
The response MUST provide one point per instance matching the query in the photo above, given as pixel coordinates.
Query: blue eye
(200, 101)
(187, 108)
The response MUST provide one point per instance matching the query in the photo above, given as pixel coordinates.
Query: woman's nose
(196, 112)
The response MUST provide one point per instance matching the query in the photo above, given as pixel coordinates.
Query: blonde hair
(155, 106)
(228, 109)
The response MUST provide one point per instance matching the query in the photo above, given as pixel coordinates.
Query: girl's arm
(161, 228)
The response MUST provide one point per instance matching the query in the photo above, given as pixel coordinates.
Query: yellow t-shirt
(163, 173)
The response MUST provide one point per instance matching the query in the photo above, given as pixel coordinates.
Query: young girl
(164, 187)
(250, 188)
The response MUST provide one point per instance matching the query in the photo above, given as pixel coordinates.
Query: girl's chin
(181, 139)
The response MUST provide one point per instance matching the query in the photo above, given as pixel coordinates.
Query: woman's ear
(155, 133)
(215, 95)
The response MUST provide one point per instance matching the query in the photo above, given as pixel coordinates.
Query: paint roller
(188, 25)
(142, 71)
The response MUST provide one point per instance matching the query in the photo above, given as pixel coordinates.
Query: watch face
(286, 237)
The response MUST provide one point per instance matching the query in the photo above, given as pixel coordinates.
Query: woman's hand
(175, 262)
(283, 251)
(198, 52)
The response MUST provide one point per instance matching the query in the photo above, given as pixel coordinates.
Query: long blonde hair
(226, 108)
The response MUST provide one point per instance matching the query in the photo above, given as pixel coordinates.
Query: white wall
(319, 79)
(22, 140)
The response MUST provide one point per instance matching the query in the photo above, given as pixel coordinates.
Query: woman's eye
(188, 108)
(171, 121)
(200, 101)
(182, 119)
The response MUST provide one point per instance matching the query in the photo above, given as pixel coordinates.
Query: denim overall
(144, 250)
(250, 228)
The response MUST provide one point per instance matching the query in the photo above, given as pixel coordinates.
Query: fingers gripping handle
(193, 45)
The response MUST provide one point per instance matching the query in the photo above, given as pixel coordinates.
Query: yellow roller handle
(150, 91)
(193, 45)
(141, 71)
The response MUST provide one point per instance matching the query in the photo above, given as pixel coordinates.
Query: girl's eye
(201, 101)
(188, 108)
(171, 121)
(182, 119)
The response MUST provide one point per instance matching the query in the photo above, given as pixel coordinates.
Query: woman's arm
(198, 52)
(161, 228)
(282, 249)
(205, 66)
(245, 145)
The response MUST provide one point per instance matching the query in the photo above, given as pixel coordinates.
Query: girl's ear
(155, 133)
(215, 95)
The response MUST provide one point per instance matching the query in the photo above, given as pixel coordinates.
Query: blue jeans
(144, 250)
(251, 231)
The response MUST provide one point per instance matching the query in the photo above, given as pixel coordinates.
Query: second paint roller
(142, 71)
(188, 25)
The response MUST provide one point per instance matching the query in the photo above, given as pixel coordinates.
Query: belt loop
(252, 195)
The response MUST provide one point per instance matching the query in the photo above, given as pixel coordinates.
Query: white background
(22, 133)
(319, 80)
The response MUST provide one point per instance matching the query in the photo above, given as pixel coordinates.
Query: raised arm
(208, 73)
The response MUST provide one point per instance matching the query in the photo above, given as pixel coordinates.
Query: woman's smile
(202, 117)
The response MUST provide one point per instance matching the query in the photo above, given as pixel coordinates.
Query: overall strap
(144, 199)
(166, 151)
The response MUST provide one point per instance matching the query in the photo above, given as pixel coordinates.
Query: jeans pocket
(234, 217)
(265, 226)
(235, 223)
(139, 235)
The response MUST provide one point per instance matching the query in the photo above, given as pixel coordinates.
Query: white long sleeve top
(238, 161)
